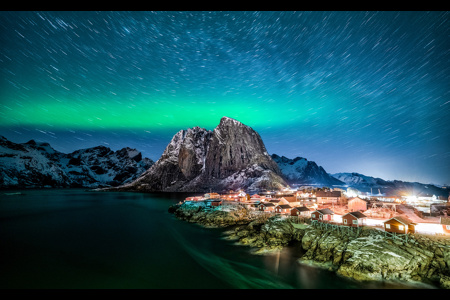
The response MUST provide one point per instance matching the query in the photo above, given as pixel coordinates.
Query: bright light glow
(429, 228)
(350, 194)
(337, 218)
(373, 222)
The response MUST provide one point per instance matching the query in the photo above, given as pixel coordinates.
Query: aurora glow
(363, 92)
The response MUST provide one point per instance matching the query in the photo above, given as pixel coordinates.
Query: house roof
(357, 214)
(267, 204)
(290, 198)
(445, 220)
(302, 208)
(401, 219)
(326, 211)
(328, 194)
(284, 206)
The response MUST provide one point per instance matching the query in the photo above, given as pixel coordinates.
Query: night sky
(353, 91)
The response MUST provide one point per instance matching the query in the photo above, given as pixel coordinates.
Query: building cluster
(321, 205)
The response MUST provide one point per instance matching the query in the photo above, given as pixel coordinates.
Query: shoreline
(421, 261)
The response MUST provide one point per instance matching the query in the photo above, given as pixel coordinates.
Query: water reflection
(129, 240)
(236, 273)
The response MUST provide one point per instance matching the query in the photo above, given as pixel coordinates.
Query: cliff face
(235, 146)
(232, 156)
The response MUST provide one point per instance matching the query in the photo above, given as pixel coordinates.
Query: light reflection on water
(238, 274)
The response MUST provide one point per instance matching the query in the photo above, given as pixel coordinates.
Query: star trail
(364, 92)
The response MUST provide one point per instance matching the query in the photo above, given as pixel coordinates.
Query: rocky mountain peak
(238, 146)
(196, 159)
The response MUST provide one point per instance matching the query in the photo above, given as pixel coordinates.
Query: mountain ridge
(301, 171)
(37, 164)
(367, 184)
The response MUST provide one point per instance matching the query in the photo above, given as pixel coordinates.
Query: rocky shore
(365, 255)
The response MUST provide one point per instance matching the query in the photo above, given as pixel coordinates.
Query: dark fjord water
(86, 239)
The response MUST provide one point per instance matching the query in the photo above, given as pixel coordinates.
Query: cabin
(445, 222)
(353, 219)
(325, 214)
(323, 197)
(300, 211)
(216, 203)
(399, 224)
(283, 208)
(357, 204)
(266, 206)
(212, 196)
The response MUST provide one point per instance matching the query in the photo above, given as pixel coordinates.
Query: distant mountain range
(35, 164)
(374, 185)
(231, 157)
(301, 171)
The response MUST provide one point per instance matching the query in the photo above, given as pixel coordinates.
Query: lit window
(345, 221)
(388, 226)
(400, 227)
(355, 221)
(448, 227)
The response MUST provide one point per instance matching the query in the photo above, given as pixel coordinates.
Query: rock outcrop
(232, 156)
(362, 255)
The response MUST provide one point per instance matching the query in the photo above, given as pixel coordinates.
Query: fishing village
(365, 238)
(337, 207)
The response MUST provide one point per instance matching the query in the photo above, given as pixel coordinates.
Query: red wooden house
(283, 208)
(266, 206)
(216, 203)
(325, 214)
(399, 224)
(353, 219)
(300, 211)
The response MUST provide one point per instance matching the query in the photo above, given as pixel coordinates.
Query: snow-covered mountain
(375, 185)
(35, 164)
(301, 171)
(232, 156)
(356, 179)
